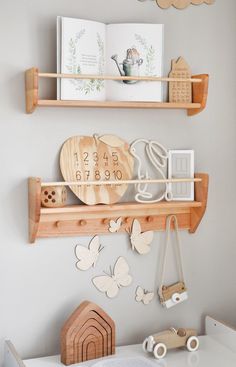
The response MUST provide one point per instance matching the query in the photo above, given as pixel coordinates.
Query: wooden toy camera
(53, 196)
(173, 294)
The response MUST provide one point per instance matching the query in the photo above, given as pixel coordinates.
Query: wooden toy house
(89, 333)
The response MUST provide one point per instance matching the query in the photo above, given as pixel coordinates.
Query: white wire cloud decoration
(180, 4)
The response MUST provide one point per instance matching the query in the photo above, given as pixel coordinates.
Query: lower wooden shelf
(77, 220)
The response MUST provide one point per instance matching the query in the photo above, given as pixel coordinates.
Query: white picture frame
(181, 165)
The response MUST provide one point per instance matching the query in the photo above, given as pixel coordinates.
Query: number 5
(115, 156)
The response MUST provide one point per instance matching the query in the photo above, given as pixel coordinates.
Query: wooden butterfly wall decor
(110, 284)
(88, 256)
(140, 241)
(143, 296)
(115, 225)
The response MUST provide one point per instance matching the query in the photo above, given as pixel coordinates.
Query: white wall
(39, 285)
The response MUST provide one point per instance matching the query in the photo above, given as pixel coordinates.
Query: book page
(82, 52)
(58, 57)
(134, 50)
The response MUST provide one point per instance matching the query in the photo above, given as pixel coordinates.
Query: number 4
(105, 157)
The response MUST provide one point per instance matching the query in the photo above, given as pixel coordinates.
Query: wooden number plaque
(104, 158)
(180, 92)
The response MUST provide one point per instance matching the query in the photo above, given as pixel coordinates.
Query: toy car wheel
(145, 345)
(159, 351)
(192, 344)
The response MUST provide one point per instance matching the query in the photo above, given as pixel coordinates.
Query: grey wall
(39, 285)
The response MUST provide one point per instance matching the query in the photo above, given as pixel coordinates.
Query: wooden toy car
(169, 339)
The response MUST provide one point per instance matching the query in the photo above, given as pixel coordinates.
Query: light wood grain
(53, 196)
(201, 195)
(121, 182)
(115, 77)
(31, 89)
(181, 4)
(168, 291)
(117, 104)
(85, 159)
(180, 92)
(91, 220)
(173, 339)
(34, 204)
(124, 209)
(88, 333)
(33, 101)
(61, 225)
(199, 95)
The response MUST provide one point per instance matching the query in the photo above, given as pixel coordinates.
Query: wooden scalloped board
(181, 4)
(89, 333)
(95, 158)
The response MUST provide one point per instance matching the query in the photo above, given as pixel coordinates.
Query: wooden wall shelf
(77, 220)
(199, 87)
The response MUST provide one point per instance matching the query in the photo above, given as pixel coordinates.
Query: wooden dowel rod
(112, 77)
(120, 182)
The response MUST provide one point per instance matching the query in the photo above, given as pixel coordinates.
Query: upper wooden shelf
(199, 88)
(77, 220)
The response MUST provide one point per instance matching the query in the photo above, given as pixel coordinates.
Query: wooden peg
(82, 222)
(126, 220)
(149, 219)
(105, 221)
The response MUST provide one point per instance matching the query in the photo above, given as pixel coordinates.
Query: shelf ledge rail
(199, 91)
(120, 182)
(119, 77)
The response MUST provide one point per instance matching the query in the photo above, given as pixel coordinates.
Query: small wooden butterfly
(140, 241)
(143, 296)
(114, 225)
(110, 284)
(88, 256)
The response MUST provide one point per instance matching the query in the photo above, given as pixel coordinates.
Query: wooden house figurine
(89, 333)
(180, 92)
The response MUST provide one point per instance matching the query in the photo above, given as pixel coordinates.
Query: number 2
(86, 158)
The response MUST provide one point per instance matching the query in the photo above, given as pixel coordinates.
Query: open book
(93, 48)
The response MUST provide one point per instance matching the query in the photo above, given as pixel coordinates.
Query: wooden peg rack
(32, 76)
(74, 220)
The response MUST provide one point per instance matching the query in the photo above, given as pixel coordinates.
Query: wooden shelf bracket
(201, 194)
(86, 220)
(200, 93)
(31, 89)
(34, 194)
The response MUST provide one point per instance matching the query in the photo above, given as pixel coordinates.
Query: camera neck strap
(178, 251)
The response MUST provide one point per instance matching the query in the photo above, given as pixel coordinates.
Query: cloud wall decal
(180, 4)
